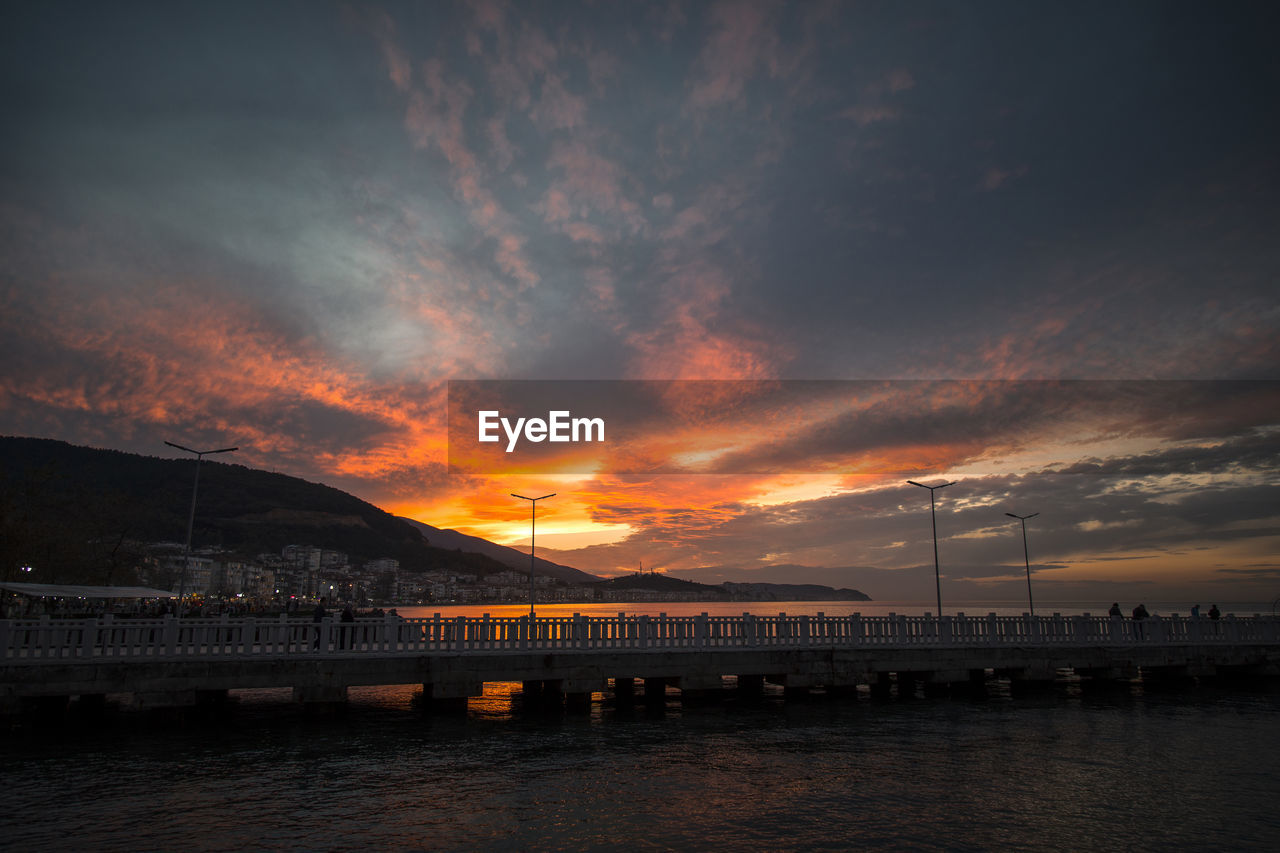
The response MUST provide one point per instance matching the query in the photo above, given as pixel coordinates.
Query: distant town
(307, 573)
(301, 576)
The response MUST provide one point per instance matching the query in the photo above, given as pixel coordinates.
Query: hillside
(792, 592)
(510, 557)
(734, 591)
(74, 510)
(662, 583)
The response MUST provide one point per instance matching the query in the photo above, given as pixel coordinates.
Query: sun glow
(792, 489)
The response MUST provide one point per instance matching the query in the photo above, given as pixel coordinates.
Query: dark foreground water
(1195, 769)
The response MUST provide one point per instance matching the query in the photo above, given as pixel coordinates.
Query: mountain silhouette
(78, 513)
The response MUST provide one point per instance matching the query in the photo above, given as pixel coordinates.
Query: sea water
(1066, 768)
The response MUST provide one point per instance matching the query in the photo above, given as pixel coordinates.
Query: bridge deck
(455, 656)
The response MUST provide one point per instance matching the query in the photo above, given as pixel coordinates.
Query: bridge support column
(701, 688)
(213, 698)
(881, 685)
(1238, 673)
(1106, 677)
(624, 691)
(576, 693)
(541, 691)
(938, 682)
(841, 681)
(450, 696)
(153, 700)
(552, 694)
(45, 710)
(794, 685)
(945, 681)
(977, 681)
(1166, 676)
(907, 682)
(456, 705)
(655, 691)
(577, 701)
(750, 686)
(90, 706)
(1108, 673)
(1032, 678)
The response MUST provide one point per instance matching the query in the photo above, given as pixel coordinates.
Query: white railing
(108, 638)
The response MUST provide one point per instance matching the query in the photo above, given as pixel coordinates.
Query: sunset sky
(288, 226)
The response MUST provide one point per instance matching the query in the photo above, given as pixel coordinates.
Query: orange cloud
(744, 43)
(398, 65)
(434, 117)
(167, 359)
(591, 181)
(698, 338)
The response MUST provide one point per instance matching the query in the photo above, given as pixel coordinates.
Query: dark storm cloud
(981, 418)
(1161, 505)
(1250, 575)
(1257, 452)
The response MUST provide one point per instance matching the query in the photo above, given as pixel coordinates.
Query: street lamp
(191, 519)
(937, 578)
(533, 509)
(1026, 555)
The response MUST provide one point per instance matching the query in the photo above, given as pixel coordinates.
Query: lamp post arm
(191, 516)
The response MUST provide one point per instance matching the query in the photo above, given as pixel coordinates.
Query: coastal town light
(937, 580)
(533, 511)
(1026, 556)
(191, 518)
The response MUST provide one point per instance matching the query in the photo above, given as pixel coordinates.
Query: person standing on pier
(317, 616)
(1139, 613)
(1115, 609)
(346, 618)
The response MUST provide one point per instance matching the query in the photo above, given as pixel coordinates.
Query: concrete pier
(173, 663)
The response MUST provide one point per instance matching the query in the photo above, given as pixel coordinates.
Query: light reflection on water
(1062, 769)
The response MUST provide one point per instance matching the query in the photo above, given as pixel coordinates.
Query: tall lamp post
(533, 526)
(937, 577)
(1026, 556)
(191, 519)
